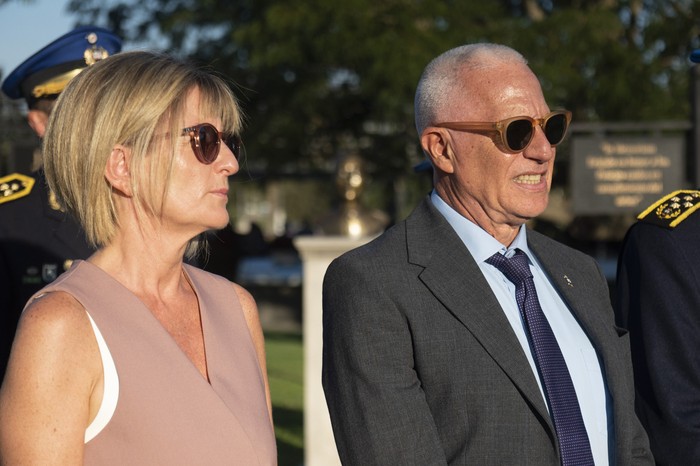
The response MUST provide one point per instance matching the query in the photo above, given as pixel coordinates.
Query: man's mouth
(528, 179)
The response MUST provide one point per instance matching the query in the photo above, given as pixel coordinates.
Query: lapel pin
(568, 281)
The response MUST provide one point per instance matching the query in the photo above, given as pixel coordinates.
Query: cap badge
(95, 54)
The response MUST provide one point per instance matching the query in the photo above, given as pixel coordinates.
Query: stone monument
(349, 226)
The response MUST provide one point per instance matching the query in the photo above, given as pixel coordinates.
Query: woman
(132, 356)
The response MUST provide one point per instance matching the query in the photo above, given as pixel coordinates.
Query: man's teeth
(528, 179)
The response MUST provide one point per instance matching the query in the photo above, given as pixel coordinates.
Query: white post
(317, 252)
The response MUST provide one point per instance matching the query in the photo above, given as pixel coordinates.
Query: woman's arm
(250, 310)
(53, 385)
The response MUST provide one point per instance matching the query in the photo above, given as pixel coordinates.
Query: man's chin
(531, 213)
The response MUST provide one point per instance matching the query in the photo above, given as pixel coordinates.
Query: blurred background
(322, 80)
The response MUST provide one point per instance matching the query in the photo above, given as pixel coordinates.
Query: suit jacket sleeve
(378, 409)
(658, 300)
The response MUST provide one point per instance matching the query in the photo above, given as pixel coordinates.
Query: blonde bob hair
(126, 99)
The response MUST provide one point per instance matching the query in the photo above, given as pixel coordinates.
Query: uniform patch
(15, 186)
(49, 272)
(672, 209)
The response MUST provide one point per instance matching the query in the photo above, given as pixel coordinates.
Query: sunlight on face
(495, 187)
(197, 193)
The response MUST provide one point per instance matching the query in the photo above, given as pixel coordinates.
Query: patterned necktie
(558, 387)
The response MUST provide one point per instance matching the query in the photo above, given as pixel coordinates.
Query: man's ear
(117, 170)
(38, 120)
(437, 144)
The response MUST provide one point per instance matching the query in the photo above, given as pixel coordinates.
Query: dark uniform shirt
(38, 242)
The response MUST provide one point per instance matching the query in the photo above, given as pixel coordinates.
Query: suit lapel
(573, 286)
(455, 279)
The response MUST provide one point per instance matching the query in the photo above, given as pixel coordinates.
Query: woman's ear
(436, 144)
(117, 170)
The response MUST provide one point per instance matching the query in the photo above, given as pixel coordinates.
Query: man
(459, 336)
(38, 241)
(658, 301)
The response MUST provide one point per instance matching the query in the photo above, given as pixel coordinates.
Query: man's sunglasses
(517, 132)
(206, 141)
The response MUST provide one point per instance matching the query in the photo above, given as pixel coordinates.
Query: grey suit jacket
(421, 367)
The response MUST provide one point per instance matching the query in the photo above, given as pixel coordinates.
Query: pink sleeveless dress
(167, 413)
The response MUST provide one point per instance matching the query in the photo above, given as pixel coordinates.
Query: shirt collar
(480, 244)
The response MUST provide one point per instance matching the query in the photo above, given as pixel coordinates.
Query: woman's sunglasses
(517, 132)
(206, 140)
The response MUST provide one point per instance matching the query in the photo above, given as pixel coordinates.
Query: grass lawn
(285, 372)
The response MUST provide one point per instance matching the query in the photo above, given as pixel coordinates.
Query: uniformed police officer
(38, 241)
(658, 301)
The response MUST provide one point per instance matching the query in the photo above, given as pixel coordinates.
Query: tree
(318, 78)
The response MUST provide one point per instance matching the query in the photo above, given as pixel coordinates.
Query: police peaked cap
(48, 71)
(695, 56)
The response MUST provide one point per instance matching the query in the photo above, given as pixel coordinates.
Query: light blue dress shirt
(578, 352)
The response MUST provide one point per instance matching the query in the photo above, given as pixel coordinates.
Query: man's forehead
(499, 77)
(488, 89)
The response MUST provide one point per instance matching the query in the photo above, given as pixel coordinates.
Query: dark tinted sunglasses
(516, 133)
(206, 140)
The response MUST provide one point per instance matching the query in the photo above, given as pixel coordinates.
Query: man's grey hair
(443, 76)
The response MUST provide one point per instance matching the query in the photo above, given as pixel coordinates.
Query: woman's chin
(223, 223)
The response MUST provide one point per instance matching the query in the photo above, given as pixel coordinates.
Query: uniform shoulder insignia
(672, 209)
(15, 186)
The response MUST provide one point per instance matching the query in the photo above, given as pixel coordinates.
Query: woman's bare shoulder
(48, 390)
(54, 331)
(53, 313)
(246, 299)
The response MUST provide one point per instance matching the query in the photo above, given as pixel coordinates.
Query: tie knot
(516, 269)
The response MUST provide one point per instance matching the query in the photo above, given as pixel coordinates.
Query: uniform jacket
(421, 367)
(658, 300)
(37, 243)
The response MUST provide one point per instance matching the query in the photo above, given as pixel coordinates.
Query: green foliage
(320, 78)
(284, 368)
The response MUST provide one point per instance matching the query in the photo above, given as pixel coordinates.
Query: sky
(26, 27)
